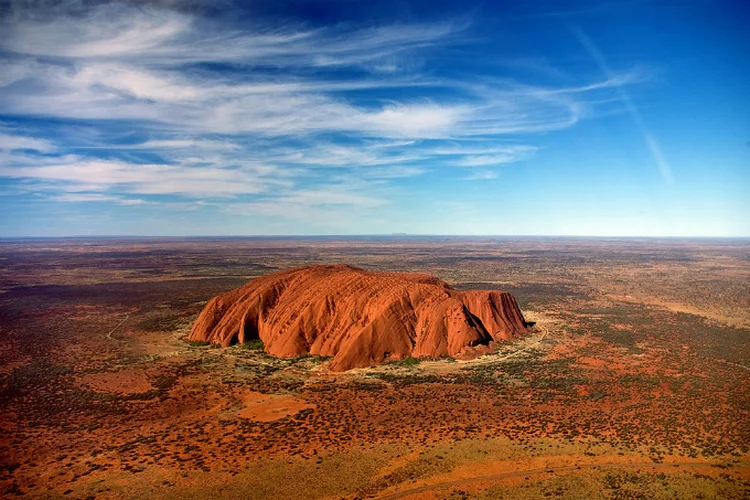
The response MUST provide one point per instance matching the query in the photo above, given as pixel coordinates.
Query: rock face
(359, 318)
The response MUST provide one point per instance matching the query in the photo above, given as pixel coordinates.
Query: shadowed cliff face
(359, 318)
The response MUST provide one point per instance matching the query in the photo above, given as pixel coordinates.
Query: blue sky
(501, 118)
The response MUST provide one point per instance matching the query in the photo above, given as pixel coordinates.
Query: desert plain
(632, 382)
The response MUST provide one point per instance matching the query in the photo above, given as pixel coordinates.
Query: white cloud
(10, 142)
(119, 61)
(481, 175)
(133, 82)
(181, 144)
(83, 197)
(156, 36)
(146, 178)
(271, 125)
(97, 197)
(134, 201)
(417, 120)
(487, 160)
(106, 30)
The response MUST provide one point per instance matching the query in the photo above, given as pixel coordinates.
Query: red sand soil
(359, 318)
(270, 407)
(121, 382)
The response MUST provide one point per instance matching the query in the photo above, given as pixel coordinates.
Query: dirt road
(552, 470)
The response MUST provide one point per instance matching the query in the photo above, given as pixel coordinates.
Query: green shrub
(199, 343)
(410, 361)
(253, 345)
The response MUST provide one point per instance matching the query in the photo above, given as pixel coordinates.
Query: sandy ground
(270, 407)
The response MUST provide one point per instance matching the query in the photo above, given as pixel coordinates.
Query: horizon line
(369, 235)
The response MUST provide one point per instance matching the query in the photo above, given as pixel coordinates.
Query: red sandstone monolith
(359, 318)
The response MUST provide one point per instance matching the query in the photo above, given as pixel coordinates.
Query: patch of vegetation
(620, 338)
(198, 343)
(406, 362)
(640, 380)
(445, 357)
(597, 395)
(403, 379)
(368, 385)
(253, 345)
(164, 382)
(623, 484)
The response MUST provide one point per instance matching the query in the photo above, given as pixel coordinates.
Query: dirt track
(551, 470)
(109, 335)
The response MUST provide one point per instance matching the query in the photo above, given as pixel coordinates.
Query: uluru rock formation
(359, 318)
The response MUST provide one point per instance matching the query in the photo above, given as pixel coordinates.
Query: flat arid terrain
(632, 382)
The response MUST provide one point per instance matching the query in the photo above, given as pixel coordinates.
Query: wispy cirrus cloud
(481, 175)
(277, 117)
(13, 142)
(96, 197)
(157, 36)
(157, 178)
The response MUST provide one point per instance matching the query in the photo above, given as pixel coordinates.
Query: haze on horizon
(173, 118)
